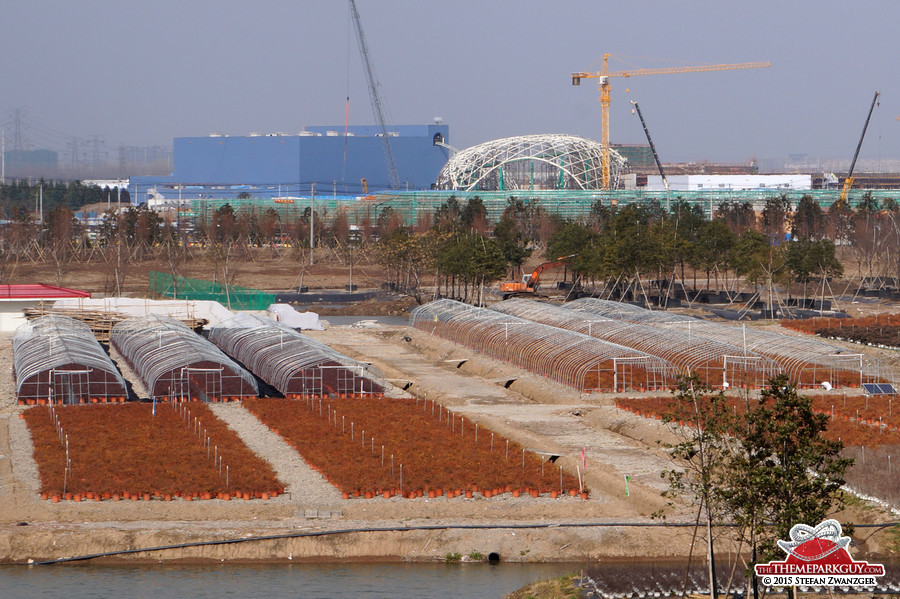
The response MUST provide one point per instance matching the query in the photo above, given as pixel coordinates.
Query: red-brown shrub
(435, 453)
(124, 448)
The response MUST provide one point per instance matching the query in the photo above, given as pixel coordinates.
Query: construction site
(326, 346)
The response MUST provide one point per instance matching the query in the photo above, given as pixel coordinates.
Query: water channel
(273, 581)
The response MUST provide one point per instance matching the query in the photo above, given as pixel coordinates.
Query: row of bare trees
(118, 240)
(458, 245)
(783, 245)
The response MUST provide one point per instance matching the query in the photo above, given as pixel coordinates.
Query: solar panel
(879, 389)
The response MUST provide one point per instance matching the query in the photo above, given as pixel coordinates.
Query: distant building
(268, 165)
(145, 160)
(730, 182)
(637, 156)
(22, 164)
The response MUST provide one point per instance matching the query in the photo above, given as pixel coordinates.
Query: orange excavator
(530, 283)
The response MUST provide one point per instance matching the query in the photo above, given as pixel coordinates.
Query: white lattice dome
(548, 161)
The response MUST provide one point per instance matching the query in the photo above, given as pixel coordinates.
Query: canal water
(273, 581)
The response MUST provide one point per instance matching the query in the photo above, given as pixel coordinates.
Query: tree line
(20, 195)
(458, 247)
(625, 246)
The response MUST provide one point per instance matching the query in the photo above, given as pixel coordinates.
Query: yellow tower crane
(605, 74)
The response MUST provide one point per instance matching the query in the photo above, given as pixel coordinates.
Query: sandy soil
(536, 413)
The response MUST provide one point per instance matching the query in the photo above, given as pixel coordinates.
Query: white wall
(730, 182)
(11, 313)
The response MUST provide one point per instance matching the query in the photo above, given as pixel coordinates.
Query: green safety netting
(231, 296)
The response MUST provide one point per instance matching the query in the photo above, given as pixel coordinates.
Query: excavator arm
(532, 281)
(535, 278)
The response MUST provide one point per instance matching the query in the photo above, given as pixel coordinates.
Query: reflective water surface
(272, 581)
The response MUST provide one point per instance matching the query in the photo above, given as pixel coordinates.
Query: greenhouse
(808, 362)
(57, 359)
(573, 359)
(717, 364)
(174, 362)
(295, 364)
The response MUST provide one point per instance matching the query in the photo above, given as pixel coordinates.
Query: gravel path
(138, 390)
(19, 479)
(302, 484)
(25, 480)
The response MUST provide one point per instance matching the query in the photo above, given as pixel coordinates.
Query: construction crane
(375, 96)
(653, 149)
(603, 76)
(848, 182)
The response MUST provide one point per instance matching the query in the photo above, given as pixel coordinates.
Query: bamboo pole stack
(101, 322)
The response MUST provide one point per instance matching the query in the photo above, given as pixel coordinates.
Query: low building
(730, 182)
(323, 160)
(16, 298)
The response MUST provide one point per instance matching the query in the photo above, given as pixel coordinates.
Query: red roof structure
(39, 291)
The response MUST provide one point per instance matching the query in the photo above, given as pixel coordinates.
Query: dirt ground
(269, 269)
(538, 414)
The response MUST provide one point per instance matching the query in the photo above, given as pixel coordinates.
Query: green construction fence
(234, 297)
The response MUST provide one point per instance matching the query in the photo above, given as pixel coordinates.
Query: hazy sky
(141, 73)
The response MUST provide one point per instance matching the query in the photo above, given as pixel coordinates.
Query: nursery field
(857, 421)
(879, 330)
(867, 426)
(141, 451)
(374, 446)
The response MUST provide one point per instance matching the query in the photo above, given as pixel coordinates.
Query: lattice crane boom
(604, 75)
(848, 182)
(374, 95)
(662, 173)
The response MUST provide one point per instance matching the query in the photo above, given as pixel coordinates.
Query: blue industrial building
(267, 165)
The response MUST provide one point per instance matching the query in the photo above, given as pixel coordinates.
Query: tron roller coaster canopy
(549, 161)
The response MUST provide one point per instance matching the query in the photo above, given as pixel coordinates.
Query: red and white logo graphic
(818, 557)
